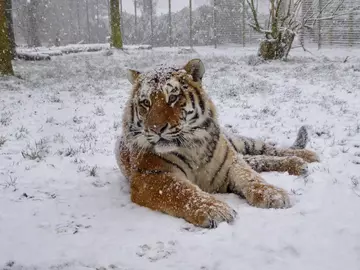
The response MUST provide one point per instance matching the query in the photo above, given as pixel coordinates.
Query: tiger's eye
(172, 98)
(146, 103)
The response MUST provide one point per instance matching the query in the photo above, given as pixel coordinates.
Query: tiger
(177, 157)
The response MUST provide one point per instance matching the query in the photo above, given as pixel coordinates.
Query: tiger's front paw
(264, 195)
(212, 212)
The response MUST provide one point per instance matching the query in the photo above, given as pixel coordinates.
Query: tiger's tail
(302, 139)
(249, 146)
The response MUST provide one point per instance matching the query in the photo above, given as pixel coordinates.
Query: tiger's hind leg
(292, 164)
(249, 146)
(247, 183)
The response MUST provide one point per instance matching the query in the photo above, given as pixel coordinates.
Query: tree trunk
(10, 24)
(116, 39)
(5, 49)
(279, 48)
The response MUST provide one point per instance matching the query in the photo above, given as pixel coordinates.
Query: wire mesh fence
(174, 23)
(218, 22)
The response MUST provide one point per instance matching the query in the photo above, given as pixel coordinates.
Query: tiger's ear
(196, 69)
(132, 75)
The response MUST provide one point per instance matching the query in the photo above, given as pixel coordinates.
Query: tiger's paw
(264, 195)
(296, 166)
(212, 212)
(307, 155)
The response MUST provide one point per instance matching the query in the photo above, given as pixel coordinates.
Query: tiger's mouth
(165, 146)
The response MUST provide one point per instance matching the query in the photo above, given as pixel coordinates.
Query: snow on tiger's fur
(175, 154)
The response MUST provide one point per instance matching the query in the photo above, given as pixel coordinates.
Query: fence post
(243, 22)
(78, 38)
(190, 26)
(151, 24)
(136, 26)
(87, 20)
(214, 24)
(170, 26)
(319, 25)
(351, 28)
(121, 21)
(97, 21)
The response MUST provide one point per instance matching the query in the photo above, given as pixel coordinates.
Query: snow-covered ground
(65, 205)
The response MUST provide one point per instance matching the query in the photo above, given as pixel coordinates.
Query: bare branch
(256, 26)
(261, 30)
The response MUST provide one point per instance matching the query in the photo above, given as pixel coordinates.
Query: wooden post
(215, 24)
(319, 25)
(151, 24)
(121, 19)
(190, 26)
(87, 20)
(136, 26)
(243, 22)
(78, 21)
(351, 29)
(170, 26)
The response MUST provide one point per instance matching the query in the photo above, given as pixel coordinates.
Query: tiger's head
(168, 107)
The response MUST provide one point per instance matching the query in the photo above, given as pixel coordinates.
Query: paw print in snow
(158, 252)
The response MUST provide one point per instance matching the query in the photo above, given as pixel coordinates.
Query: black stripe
(174, 164)
(227, 174)
(192, 99)
(201, 102)
(252, 146)
(232, 143)
(183, 159)
(206, 124)
(247, 148)
(213, 144)
(263, 149)
(132, 112)
(221, 166)
(142, 171)
(211, 113)
(195, 117)
(169, 84)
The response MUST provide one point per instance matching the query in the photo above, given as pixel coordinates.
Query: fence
(173, 22)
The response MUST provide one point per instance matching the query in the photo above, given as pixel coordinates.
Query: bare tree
(116, 38)
(5, 49)
(286, 20)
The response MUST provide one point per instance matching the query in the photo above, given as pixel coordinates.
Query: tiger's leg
(293, 165)
(246, 182)
(179, 198)
(249, 146)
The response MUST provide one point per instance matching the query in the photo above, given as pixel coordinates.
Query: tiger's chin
(163, 148)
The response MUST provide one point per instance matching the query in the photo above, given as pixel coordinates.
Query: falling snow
(64, 204)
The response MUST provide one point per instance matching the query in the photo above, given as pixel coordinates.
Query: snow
(75, 48)
(65, 205)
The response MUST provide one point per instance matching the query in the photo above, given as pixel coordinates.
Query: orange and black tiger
(175, 154)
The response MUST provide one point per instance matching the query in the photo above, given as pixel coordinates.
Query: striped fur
(175, 154)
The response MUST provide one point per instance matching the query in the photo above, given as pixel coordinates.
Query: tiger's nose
(159, 128)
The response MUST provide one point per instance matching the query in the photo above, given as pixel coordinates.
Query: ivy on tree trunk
(5, 49)
(116, 39)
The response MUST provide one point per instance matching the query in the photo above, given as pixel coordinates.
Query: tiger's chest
(207, 167)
